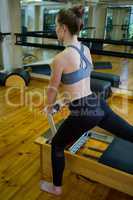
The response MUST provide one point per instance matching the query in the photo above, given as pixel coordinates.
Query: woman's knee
(57, 147)
(56, 141)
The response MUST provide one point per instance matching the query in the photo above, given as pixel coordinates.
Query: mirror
(104, 20)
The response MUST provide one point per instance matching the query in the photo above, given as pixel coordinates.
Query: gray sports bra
(82, 72)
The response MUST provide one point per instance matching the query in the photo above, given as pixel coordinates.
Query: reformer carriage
(97, 156)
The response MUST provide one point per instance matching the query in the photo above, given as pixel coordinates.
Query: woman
(72, 67)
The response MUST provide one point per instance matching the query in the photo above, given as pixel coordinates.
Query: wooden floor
(19, 156)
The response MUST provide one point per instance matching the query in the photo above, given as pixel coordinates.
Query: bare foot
(50, 188)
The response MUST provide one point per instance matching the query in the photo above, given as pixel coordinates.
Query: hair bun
(78, 10)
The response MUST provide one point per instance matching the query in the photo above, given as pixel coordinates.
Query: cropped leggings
(86, 113)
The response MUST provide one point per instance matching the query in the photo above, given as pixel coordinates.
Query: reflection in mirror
(119, 23)
(102, 19)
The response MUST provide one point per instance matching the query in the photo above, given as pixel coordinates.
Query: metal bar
(98, 40)
(52, 124)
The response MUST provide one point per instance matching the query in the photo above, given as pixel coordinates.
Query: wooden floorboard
(19, 155)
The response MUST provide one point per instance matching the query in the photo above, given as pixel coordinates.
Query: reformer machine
(18, 77)
(99, 157)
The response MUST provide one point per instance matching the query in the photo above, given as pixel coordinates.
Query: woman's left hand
(48, 110)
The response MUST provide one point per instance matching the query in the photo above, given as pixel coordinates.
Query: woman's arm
(55, 80)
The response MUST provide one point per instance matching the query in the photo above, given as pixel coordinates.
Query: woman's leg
(72, 128)
(115, 124)
(68, 133)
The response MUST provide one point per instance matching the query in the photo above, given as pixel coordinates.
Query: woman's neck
(71, 41)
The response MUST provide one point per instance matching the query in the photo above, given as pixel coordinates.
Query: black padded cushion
(102, 65)
(113, 79)
(119, 155)
(100, 87)
(3, 76)
(25, 75)
(40, 69)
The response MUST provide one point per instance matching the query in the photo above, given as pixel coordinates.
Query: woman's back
(76, 71)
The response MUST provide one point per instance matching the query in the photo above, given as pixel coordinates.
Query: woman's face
(59, 30)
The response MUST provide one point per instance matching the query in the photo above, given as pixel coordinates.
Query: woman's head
(69, 21)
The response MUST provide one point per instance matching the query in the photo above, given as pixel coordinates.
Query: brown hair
(72, 18)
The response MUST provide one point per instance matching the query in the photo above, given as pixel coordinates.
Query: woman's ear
(65, 28)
